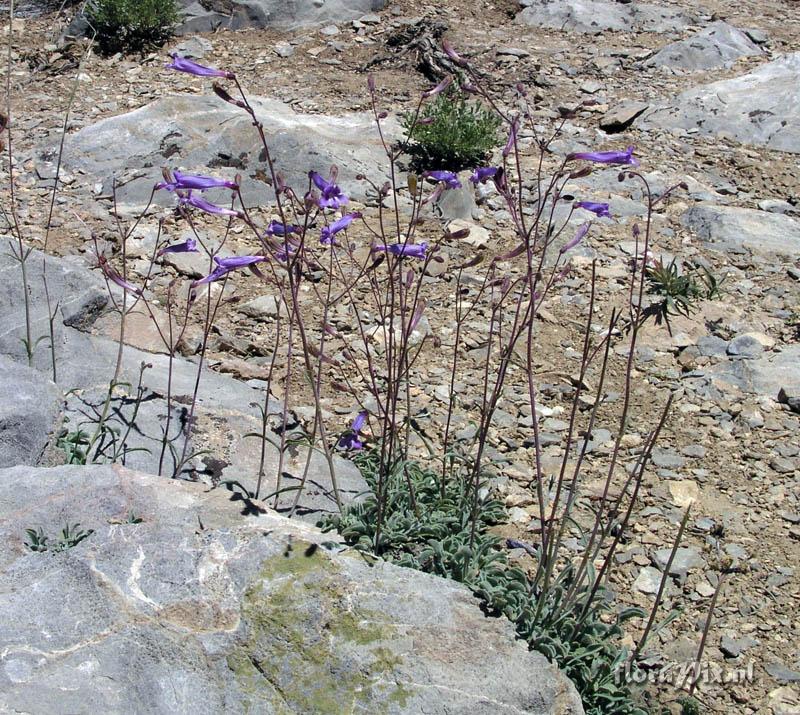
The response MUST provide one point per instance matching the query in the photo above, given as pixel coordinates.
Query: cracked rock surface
(178, 603)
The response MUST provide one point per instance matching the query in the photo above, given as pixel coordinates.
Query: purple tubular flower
(482, 175)
(512, 138)
(233, 262)
(450, 178)
(404, 250)
(576, 239)
(215, 275)
(600, 210)
(124, 284)
(276, 228)
(115, 277)
(359, 421)
(453, 55)
(226, 265)
(332, 196)
(207, 206)
(350, 439)
(607, 157)
(328, 232)
(188, 246)
(439, 88)
(194, 182)
(181, 64)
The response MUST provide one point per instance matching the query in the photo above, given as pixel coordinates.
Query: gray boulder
(717, 46)
(182, 600)
(210, 15)
(205, 134)
(733, 229)
(766, 375)
(79, 297)
(30, 411)
(760, 108)
(590, 16)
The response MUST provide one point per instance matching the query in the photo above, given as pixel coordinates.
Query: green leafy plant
(711, 285)
(426, 529)
(689, 706)
(451, 133)
(680, 289)
(131, 25)
(74, 444)
(71, 535)
(37, 539)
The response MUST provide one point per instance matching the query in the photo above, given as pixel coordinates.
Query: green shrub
(131, 25)
(451, 133)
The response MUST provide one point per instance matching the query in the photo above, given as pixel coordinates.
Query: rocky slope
(708, 93)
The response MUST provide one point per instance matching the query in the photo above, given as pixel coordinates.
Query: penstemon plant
(353, 295)
(380, 285)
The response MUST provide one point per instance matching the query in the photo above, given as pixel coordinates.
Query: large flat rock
(733, 229)
(717, 46)
(761, 108)
(206, 135)
(180, 603)
(590, 16)
(766, 375)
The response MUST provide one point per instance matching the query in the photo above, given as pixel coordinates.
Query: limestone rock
(183, 600)
(760, 108)
(591, 16)
(283, 14)
(732, 229)
(621, 116)
(30, 411)
(717, 46)
(263, 306)
(226, 409)
(197, 132)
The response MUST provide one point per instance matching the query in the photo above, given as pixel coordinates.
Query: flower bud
(453, 55)
(222, 93)
(439, 88)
